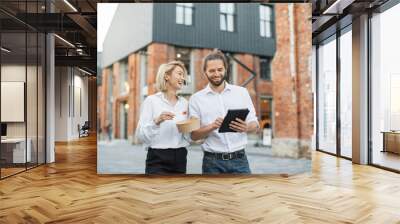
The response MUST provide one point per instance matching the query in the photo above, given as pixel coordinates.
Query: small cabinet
(391, 142)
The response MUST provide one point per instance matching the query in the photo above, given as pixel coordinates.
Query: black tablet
(231, 116)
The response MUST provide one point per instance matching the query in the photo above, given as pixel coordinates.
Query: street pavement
(121, 157)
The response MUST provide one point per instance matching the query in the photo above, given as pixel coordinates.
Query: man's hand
(204, 131)
(217, 123)
(239, 125)
(163, 117)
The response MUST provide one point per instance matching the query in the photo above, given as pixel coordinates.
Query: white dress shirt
(165, 135)
(208, 105)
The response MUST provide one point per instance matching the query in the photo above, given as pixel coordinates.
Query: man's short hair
(214, 55)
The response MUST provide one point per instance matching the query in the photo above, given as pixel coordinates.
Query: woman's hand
(163, 117)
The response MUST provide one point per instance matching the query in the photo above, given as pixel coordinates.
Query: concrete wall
(130, 30)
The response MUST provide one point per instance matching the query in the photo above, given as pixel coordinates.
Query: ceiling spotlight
(84, 71)
(70, 5)
(337, 7)
(64, 40)
(5, 50)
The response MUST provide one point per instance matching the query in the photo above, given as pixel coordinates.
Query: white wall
(16, 73)
(80, 84)
(12, 100)
(70, 83)
(61, 103)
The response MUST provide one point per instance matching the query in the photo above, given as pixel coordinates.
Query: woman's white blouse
(165, 135)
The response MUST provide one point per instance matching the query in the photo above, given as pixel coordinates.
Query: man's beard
(216, 83)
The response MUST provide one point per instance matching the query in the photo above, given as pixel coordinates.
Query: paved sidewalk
(121, 157)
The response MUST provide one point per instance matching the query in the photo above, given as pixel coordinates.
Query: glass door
(327, 95)
(385, 89)
(346, 92)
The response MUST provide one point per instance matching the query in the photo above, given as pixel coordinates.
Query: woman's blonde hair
(165, 69)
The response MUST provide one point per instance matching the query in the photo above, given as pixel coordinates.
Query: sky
(105, 13)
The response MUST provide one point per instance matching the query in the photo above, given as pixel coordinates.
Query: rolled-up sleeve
(252, 114)
(194, 110)
(187, 136)
(146, 129)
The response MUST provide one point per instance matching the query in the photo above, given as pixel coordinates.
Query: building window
(227, 16)
(110, 84)
(265, 21)
(266, 121)
(385, 89)
(266, 111)
(184, 13)
(265, 68)
(143, 75)
(231, 73)
(124, 84)
(183, 55)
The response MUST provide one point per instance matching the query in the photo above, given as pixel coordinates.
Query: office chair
(84, 130)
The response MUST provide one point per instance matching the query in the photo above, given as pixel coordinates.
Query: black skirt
(166, 161)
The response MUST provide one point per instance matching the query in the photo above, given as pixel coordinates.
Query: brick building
(273, 42)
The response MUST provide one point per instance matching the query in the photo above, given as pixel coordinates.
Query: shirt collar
(161, 95)
(227, 87)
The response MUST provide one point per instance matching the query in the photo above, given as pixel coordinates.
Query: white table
(19, 149)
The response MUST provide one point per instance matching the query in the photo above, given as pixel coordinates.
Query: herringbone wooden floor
(70, 191)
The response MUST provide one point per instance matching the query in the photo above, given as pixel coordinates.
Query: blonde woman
(157, 123)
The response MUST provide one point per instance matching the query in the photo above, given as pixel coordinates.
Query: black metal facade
(205, 29)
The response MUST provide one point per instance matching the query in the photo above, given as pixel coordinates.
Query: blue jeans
(212, 165)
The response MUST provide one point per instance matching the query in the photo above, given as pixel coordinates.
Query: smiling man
(223, 152)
